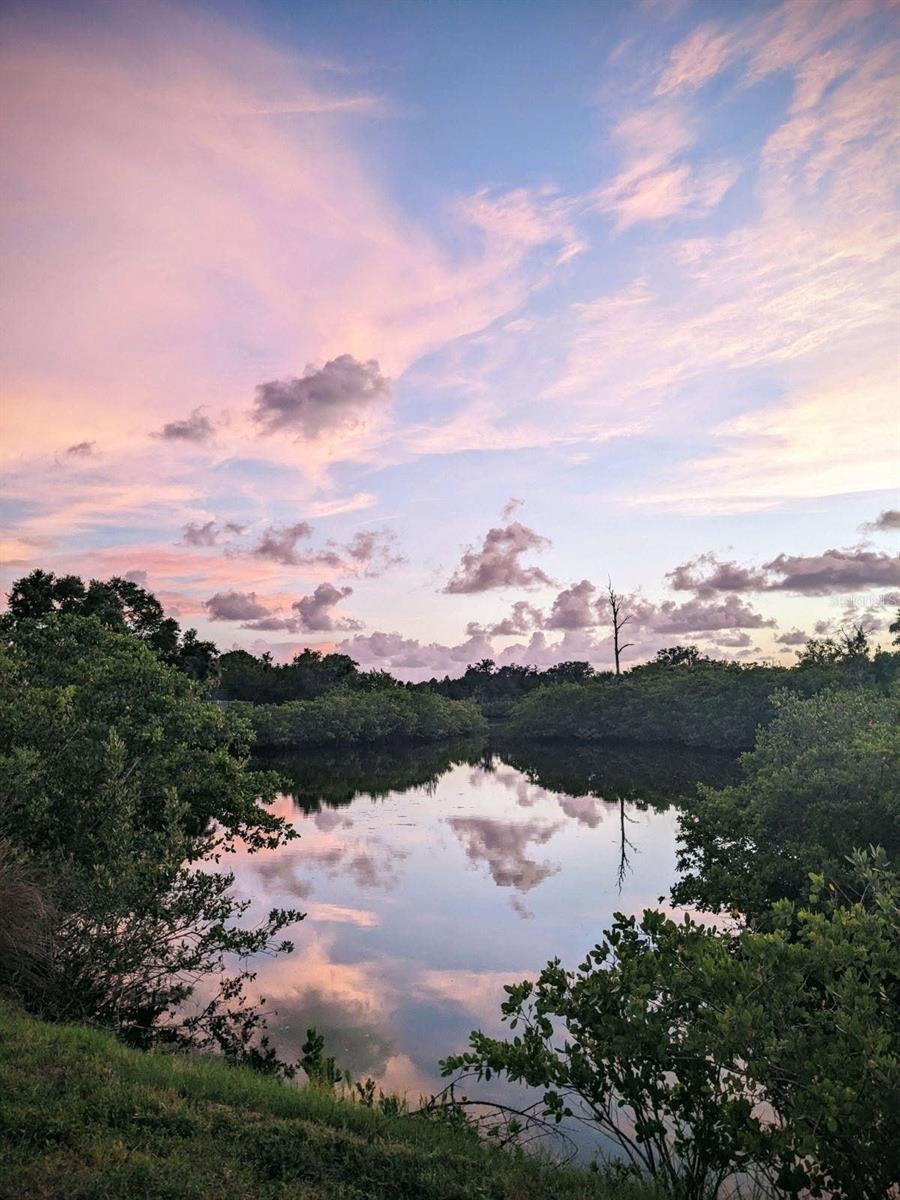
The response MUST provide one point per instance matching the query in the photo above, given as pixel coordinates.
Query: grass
(83, 1117)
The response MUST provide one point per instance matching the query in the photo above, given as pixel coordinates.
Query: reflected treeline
(646, 776)
(330, 778)
(643, 775)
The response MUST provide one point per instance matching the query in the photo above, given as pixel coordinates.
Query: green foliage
(496, 687)
(695, 703)
(321, 1069)
(705, 1053)
(712, 704)
(118, 604)
(243, 676)
(115, 776)
(82, 1117)
(848, 647)
(349, 717)
(102, 744)
(824, 778)
(680, 656)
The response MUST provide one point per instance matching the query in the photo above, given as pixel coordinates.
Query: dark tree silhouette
(119, 604)
(618, 622)
(679, 656)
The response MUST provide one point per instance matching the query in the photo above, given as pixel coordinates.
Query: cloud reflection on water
(415, 896)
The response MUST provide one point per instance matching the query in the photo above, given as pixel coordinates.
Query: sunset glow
(389, 328)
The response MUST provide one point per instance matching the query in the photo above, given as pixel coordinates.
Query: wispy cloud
(657, 182)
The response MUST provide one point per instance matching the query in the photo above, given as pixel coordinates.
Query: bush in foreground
(706, 1054)
(115, 776)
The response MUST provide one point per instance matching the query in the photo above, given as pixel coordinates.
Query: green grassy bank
(83, 1116)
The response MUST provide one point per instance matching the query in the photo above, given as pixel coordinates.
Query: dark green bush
(349, 717)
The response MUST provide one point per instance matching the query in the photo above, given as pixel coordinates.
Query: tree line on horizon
(125, 605)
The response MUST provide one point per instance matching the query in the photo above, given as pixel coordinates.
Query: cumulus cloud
(733, 641)
(207, 533)
(721, 623)
(811, 575)
(706, 574)
(497, 565)
(412, 658)
(371, 551)
(197, 534)
(336, 396)
(389, 650)
(280, 545)
(886, 521)
(573, 607)
(81, 449)
(315, 612)
(235, 606)
(694, 616)
(582, 616)
(503, 845)
(794, 637)
(522, 619)
(833, 571)
(195, 428)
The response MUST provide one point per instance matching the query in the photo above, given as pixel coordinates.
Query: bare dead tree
(618, 622)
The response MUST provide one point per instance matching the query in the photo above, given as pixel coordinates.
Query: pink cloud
(656, 183)
(194, 227)
(817, 271)
(697, 59)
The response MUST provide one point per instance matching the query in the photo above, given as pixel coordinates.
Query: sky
(404, 328)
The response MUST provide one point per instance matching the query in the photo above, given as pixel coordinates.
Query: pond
(433, 875)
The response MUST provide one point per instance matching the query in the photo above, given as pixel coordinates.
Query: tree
(679, 656)
(117, 603)
(619, 621)
(117, 778)
(823, 778)
(850, 646)
(894, 628)
(705, 1054)
(309, 675)
(569, 672)
(485, 666)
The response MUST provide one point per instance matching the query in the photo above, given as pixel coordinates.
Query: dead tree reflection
(625, 844)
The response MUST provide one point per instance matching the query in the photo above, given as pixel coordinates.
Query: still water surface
(434, 875)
